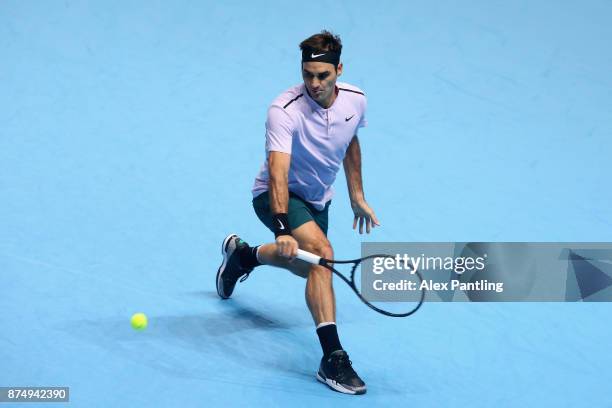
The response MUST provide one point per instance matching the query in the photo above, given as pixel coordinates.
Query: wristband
(281, 224)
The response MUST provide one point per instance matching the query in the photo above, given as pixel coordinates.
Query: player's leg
(309, 228)
(239, 259)
(319, 290)
(335, 369)
(267, 254)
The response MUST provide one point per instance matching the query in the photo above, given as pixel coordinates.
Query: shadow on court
(233, 338)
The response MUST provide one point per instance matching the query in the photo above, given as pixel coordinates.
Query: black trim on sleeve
(293, 100)
(350, 90)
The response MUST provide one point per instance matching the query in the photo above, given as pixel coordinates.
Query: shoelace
(343, 367)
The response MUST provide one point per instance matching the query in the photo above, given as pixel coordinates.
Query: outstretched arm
(352, 168)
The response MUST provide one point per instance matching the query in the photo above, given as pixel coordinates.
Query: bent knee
(321, 248)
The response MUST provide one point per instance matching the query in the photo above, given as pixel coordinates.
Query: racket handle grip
(308, 257)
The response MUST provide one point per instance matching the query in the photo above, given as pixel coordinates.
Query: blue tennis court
(130, 135)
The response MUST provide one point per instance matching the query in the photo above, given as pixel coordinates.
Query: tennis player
(311, 130)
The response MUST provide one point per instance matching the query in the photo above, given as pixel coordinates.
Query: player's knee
(325, 250)
(321, 248)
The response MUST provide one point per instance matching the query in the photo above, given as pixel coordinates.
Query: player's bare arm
(278, 168)
(363, 214)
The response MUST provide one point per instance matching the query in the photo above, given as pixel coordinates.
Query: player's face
(320, 80)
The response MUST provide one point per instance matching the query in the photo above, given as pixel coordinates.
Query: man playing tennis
(311, 129)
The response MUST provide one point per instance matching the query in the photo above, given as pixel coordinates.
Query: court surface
(130, 134)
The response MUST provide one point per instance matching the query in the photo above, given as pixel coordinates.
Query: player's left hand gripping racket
(393, 308)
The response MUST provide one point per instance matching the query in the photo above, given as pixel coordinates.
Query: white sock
(324, 324)
(257, 255)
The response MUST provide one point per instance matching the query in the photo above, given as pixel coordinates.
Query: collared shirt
(315, 137)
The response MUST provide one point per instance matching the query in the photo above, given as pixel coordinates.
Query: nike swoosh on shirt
(349, 118)
(316, 55)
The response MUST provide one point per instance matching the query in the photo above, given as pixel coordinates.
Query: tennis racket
(394, 307)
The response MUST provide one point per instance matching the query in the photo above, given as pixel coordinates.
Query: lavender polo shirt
(316, 138)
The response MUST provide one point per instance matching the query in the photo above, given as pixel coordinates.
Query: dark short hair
(325, 41)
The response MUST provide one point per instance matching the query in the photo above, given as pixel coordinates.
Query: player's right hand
(286, 246)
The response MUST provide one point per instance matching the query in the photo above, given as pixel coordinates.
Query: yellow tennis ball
(139, 321)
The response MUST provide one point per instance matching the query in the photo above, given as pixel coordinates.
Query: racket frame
(327, 263)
